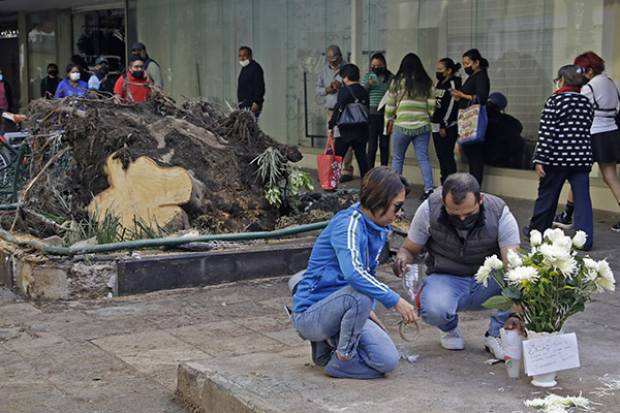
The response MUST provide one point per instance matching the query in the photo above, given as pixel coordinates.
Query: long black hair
(416, 81)
(379, 56)
(474, 55)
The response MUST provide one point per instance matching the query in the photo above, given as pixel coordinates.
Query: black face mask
(439, 76)
(469, 71)
(138, 74)
(53, 73)
(465, 224)
(379, 71)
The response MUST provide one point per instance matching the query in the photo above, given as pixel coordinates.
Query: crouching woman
(334, 301)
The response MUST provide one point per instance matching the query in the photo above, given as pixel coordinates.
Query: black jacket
(48, 87)
(503, 144)
(477, 84)
(346, 96)
(251, 85)
(446, 108)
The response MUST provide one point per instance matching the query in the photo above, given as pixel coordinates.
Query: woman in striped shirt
(410, 104)
(376, 81)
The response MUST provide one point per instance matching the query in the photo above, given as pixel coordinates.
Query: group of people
(458, 226)
(134, 86)
(409, 108)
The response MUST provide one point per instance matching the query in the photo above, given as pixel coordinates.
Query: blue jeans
(443, 296)
(342, 317)
(549, 188)
(420, 145)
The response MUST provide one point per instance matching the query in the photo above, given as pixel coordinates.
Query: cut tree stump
(145, 192)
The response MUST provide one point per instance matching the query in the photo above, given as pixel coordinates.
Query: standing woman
(376, 81)
(474, 90)
(445, 131)
(356, 135)
(6, 95)
(71, 85)
(408, 112)
(603, 94)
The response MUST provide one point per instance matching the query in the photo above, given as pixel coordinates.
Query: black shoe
(426, 194)
(564, 221)
(346, 178)
(616, 227)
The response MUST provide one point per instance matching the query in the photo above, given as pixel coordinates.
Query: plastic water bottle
(410, 281)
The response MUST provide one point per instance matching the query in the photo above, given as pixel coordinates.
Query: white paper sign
(551, 353)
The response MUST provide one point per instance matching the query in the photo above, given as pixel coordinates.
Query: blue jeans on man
(342, 320)
(400, 143)
(443, 296)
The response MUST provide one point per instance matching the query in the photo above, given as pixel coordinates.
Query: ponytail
(450, 65)
(474, 54)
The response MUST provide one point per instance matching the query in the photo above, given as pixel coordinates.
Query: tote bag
(329, 166)
(353, 114)
(472, 124)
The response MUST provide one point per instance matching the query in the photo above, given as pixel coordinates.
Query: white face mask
(244, 63)
(74, 76)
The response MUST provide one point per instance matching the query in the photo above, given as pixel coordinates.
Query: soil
(215, 147)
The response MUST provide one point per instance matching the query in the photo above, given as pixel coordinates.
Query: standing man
(251, 84)
(459, 227)
(150, 66)
(49, 84)
(99, 79)
(135, 85)
(327, 85)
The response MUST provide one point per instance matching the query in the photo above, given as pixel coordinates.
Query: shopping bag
(329, 166)
(472, 124)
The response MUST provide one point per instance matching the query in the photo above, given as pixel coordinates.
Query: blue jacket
(345, 253)
(66, 89)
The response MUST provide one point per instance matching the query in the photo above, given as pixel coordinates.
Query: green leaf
(512, 292)
(499, 302)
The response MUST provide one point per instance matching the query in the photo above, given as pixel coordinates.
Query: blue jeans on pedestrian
(443, 296)
(549, 188)
(342, 319)
(400, 142)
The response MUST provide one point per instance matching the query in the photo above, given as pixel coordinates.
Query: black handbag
(353, 114)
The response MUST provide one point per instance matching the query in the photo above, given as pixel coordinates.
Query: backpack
(616, 113)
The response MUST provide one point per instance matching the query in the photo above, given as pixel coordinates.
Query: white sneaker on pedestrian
(494, 346)
(452, 340)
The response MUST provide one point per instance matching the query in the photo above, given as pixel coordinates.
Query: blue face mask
(1, 77)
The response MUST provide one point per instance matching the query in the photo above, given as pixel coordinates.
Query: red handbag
(329, 166)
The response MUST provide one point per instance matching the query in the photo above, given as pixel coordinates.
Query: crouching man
(333, 303)
(459, 227)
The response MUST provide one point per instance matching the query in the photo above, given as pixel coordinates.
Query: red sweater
(136, 90)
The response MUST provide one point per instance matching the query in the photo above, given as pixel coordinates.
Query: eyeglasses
(398, 206)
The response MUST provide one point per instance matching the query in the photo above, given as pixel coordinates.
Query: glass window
(41, 48)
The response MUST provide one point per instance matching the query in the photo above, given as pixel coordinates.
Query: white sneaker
(452, 340)
(494, 346)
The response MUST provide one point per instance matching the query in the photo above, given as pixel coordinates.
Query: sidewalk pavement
(121, 355)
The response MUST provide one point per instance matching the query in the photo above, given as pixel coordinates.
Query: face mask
(439, 76)
(138, 74)
(53, 73)
(465, 224)
(378, 70)
(74, 76)
(1, 77)
(469, 70)
(244, 63)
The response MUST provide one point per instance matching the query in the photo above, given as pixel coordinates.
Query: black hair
(416, 81)
(52, 66)
(79, 60)
(459, 185)
(379, 56)
(351, 72)
(247, 49)
(134, 58)
(449, 64)
(380, 186)
(474, 54)
(70, 67)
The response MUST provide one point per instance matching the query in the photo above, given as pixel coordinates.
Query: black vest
(448, 253)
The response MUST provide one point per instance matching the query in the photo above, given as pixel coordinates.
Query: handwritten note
(551, 353)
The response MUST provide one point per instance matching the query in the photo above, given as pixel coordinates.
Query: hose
(160, 242)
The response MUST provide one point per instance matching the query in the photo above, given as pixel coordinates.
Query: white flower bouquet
(549, 283)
